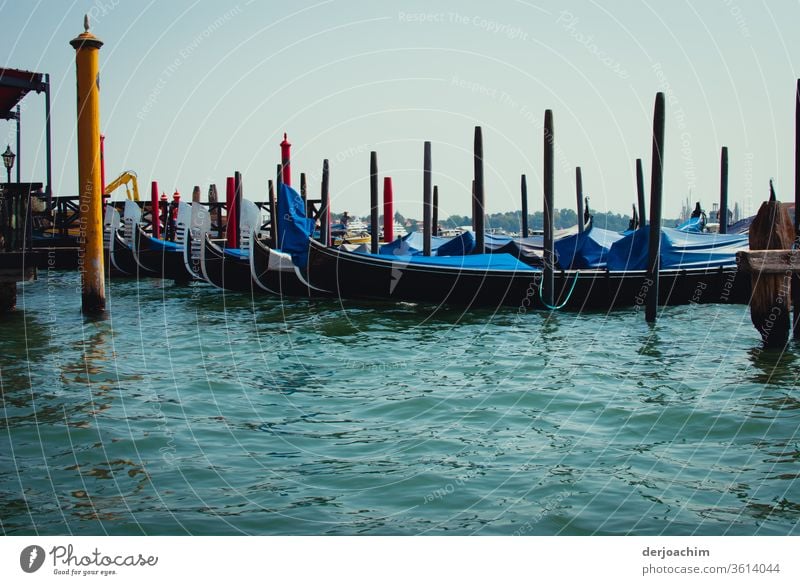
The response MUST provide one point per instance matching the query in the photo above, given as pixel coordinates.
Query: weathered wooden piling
(303, 189)
(427, 202)
(478, 208)
(196, 194)
(548, 284)
(771, 275)
(231, 234)
(796, 279)
(640, 193)
(388, 210)
(723, 191)
(90, 258)
(656, 186)
(523, 188)
(155, 210)
(325, 207)
(579, 195)
(213, 210)
(435, 218)
(238, 196)
(374, 231)
(273, 215)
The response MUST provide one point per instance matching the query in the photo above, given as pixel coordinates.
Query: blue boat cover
(472, 261)
(585, 250)
(678, 250)
(238, 252)
(692, 225)
(294, 228)
(159, 245)
(412, 245)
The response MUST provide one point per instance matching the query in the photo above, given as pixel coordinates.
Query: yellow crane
(124, 179)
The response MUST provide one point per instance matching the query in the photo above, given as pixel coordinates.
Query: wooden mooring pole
(656, 186)
(435, 211)
(478, 211)
(273, 215)
(771, 263)
(373, 202)
(796, 279)
(523, 187)
(548, 283)
(427, 200)
(723, 191)
(640, 192)
(214, 213)
(325, 207)
(90, 258)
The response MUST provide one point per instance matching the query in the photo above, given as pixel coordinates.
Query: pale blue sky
(194, 90)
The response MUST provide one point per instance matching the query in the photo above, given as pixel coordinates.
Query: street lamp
(8, 160)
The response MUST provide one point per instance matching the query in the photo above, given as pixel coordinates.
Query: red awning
(14, 85)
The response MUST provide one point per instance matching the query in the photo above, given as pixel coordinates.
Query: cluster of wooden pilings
(774, 260)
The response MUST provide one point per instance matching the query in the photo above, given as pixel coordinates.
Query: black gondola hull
(353, 276)
(275, 274)
(224, 270)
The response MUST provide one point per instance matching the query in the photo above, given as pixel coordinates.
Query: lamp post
(8, 160)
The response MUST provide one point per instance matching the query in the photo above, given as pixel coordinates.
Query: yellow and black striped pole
(90, 259)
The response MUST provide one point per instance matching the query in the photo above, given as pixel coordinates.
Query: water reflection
(773, 366)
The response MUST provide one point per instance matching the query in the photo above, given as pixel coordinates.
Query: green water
(192, 411)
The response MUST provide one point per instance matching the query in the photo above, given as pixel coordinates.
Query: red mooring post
(388, 210)
(155, 210)
(231, 235)
(286, 156)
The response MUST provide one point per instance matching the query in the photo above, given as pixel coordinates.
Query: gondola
(275, 273)
(496, 280)
(120, 253)
(162, 257)
(225, 268)
(228, 268)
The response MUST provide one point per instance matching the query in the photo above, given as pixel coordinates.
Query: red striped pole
(286, 149)
(155, 210)
(231, 236)
(388, 210)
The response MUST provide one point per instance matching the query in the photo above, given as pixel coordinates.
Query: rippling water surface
(193, 411)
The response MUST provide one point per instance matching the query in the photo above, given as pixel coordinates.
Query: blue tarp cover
(412, 245)
(237, 252)
(472, 261)
(294, 228)
(678, 250)
(163, 245)
(693, 225)
(585, 250)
